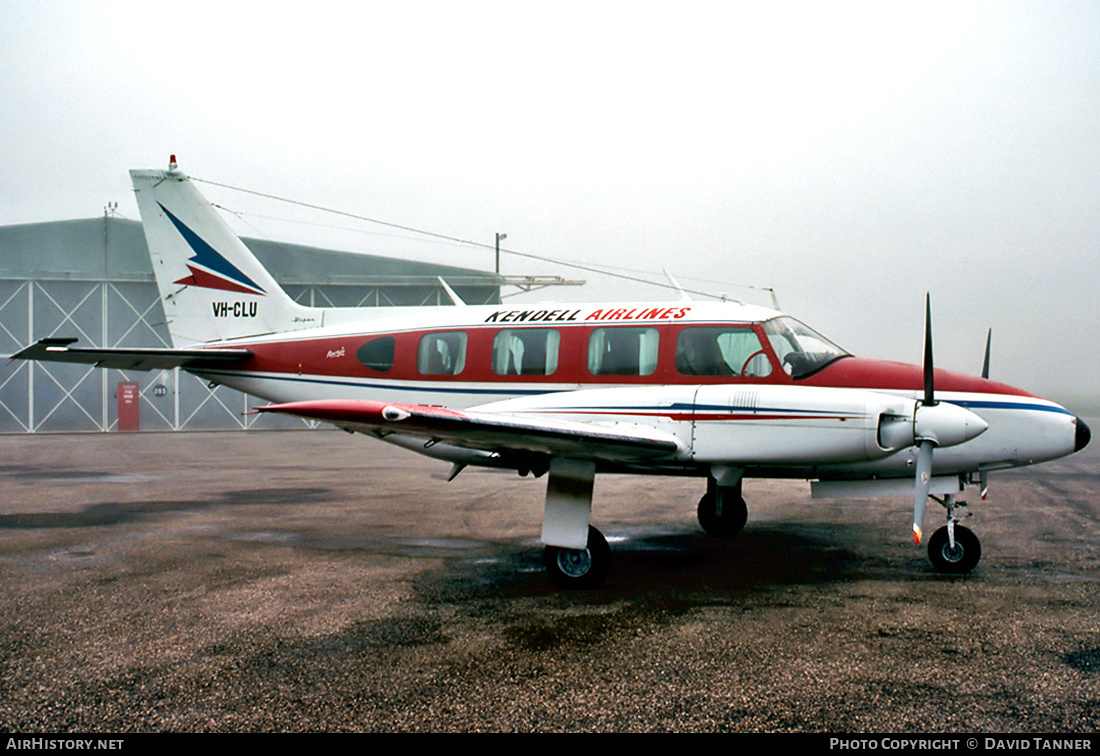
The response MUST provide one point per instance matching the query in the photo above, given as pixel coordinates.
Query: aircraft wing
(60, 350)
(489, 431)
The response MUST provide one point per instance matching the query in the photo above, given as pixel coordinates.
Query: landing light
(394, 414)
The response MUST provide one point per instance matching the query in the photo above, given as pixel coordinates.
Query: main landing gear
(576, 555)
(722, 510)
(579, 568)
(954, 549)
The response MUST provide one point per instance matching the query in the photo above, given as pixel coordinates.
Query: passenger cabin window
(526, 351)
(377, 354)
(442, 353)
(622, 351)
(721, 351)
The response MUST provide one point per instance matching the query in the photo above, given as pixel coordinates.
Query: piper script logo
(209, 270)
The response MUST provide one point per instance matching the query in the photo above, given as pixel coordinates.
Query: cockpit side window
(728, 351)
(801, 350)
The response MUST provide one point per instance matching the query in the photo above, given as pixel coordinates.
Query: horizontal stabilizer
(61, 350)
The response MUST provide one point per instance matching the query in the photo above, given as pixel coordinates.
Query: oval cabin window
(377, 354)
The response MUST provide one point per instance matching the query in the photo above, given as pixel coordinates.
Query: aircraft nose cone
(1084, 435)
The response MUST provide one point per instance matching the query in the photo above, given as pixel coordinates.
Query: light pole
(499, 237)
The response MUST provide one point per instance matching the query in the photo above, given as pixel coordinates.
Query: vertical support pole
(30, 363)
(103, 339)
(176, 398)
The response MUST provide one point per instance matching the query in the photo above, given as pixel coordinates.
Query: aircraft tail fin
(211, 285)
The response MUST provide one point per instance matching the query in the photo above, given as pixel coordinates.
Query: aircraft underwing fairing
(716, 390)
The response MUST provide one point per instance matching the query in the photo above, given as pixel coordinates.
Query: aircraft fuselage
(462, 357)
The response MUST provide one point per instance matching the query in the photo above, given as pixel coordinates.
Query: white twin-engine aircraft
(721, 391)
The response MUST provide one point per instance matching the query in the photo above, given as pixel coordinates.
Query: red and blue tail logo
(209, 270)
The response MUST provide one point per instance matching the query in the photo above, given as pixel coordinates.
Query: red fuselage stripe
(336, 357)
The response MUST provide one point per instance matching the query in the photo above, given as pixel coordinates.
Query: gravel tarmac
(314, 581)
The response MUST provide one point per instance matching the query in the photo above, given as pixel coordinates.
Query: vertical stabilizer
(211, 285)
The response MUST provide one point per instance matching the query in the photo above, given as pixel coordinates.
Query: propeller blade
(985, 364)
(924, 482)
(929, 380)
(924, 453)
(983, 477)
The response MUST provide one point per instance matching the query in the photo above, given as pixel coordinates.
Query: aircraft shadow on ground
(668, 564)
(127, 512)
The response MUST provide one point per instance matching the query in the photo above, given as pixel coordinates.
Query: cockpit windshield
(800, 349)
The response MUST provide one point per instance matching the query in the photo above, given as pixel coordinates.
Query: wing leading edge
(490, 431)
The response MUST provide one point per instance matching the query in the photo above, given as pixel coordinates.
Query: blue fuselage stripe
(971, 405)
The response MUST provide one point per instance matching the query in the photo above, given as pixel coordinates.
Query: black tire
(579, 568)
(735, 513)
(960, 560)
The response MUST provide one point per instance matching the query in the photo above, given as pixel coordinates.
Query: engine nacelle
(761, 425)
(788, 425)
(946, 424)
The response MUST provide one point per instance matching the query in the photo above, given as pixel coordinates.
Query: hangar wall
(92, 280)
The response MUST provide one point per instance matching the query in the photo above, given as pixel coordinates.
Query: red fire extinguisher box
(128, 407)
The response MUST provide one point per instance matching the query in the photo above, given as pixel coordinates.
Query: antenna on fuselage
(457, 300)
(676, 285)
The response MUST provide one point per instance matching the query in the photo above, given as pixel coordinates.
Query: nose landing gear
(954, 549)
(722, 510)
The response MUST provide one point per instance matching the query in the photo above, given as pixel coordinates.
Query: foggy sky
(851, 156)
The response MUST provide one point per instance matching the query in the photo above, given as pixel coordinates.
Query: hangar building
(92, 280)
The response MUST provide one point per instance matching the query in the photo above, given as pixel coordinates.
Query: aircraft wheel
(959, 560)
(735, 513)
(579, 568)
